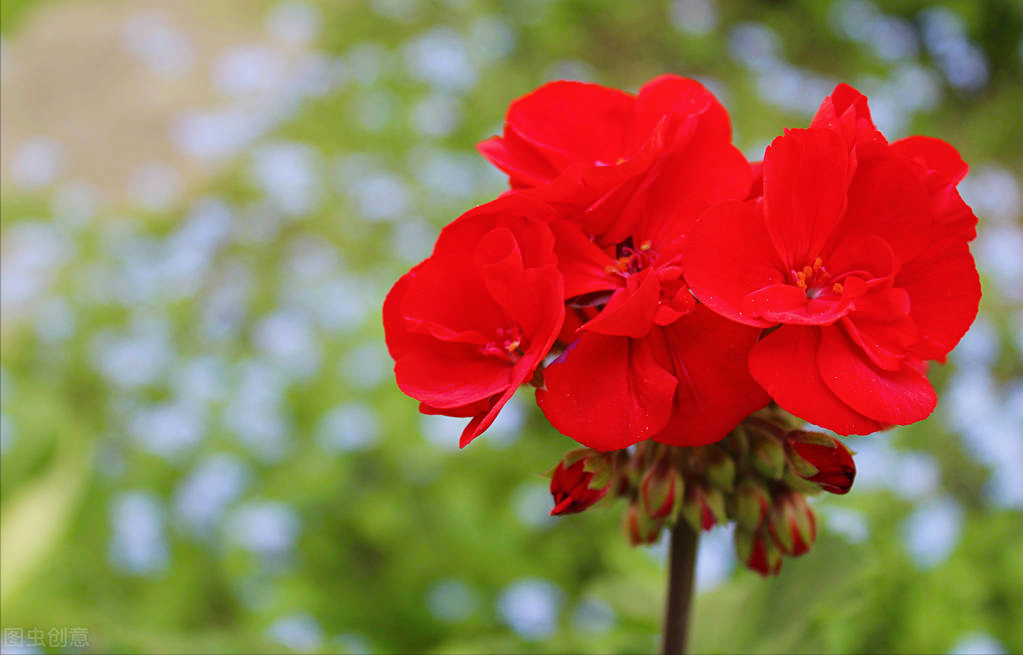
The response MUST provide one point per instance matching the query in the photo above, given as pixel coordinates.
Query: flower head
(839, 255)
(473, 322)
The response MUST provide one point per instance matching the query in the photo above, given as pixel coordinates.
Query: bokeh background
(203, 450)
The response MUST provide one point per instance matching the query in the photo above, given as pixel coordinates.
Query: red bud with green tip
(661, 489)
(639, 527)
(571, 487)
(703, 507)
(792, 524)
(822, 459)
(757, 551)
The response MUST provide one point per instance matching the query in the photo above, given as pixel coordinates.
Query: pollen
(813, 279)
(837, 287)
(646, 246)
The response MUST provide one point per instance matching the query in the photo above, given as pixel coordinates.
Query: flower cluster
(658, 289)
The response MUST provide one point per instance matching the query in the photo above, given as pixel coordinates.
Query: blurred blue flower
(138, 545)
(298, 632)
(349, 426)
(201, 499)
(530, 607)
(932, 531)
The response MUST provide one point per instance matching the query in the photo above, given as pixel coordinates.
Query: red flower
(642, 361)
(839, 253)
(473, 322)
(596, 154)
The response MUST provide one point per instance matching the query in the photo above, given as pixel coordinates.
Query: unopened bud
(639, 527)
(792, 523)
(720, 468)
(757, 551)
(752, 503)
(572, 486)
(661, 489)
(703, 507)
(822, 459)
(768, 453)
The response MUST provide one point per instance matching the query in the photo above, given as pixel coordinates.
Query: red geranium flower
(630, 175)
(643, 360)
(934, 162)
(596, 153)
(473, 322)
(839, 253)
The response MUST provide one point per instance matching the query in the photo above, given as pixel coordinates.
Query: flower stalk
(681, 574)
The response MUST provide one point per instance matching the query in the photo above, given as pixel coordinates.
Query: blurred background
(203, 449)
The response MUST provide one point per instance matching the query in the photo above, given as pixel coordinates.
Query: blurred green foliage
(380, 526)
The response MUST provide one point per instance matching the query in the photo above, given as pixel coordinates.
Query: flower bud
(768, 453)
(792, 524)
(572, 486)
(703, 507)
(822, 459)
(757, 551)
(661, 489)
(720, 468)
(639, 527)
(752, 503)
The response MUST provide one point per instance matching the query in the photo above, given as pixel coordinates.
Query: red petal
(846, 111)
(881, 326)
(673, 94)
(715, 389)
(447, 299)
(756, 189)
(448, 374)
(944, 291)
(888, 200)
(729, 255)
(897, 397)
(785, 303)
(581, 261)
(525, 166)
(395, 331)
(785, 364)
(526, 217)
(941, 168)
(461, 411)
(935, 154)
(806, 175)
(579, 122)
(630, 312)
(674, 305)
(607, 392)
